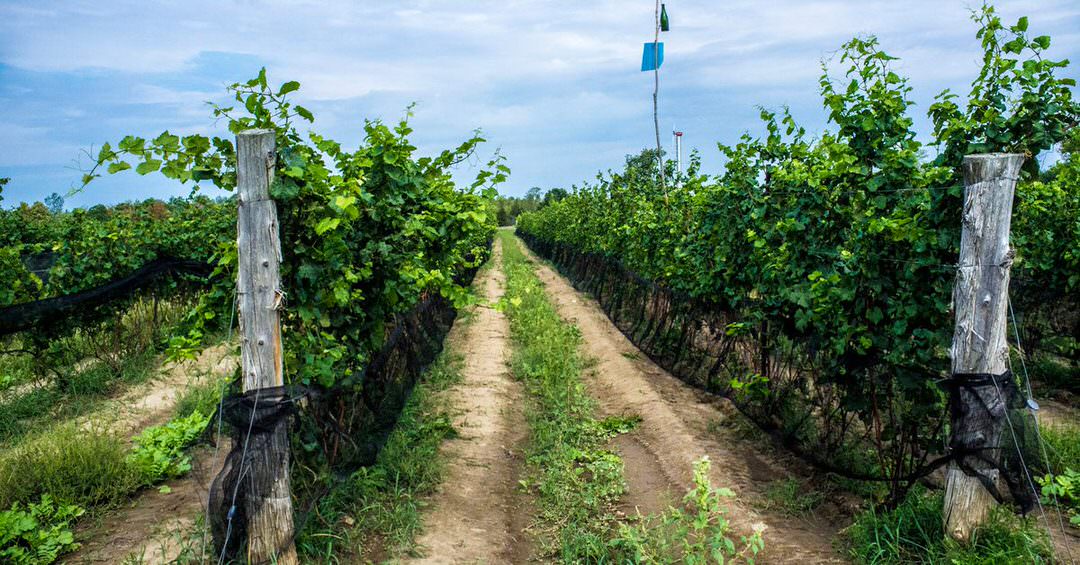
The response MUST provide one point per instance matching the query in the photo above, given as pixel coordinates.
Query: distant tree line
(507, 208)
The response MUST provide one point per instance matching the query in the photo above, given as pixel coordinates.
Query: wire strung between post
(1035, 416)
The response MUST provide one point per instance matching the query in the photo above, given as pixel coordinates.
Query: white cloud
(540, 76)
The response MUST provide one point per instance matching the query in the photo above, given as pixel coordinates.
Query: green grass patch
(792, 497)
(381, 505)
(1063, 447)
(576, 480)
(87, 467)
(913, 532)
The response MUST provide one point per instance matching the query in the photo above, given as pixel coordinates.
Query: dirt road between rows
(679, 425)
(478, 515)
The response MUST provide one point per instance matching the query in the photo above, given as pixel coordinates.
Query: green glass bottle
(664, 25)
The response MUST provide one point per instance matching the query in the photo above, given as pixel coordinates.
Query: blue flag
(652, 57)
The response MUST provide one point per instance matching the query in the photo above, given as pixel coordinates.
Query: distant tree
(555, 195)
(534, 194)
(55, 203)
(3, 183)
(98, 212)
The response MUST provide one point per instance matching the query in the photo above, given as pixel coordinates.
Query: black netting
(44, 313)
(346, 425)
(992, 431)
(709, 348)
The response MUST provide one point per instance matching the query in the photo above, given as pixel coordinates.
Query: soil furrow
(677, 428)
(478, 516)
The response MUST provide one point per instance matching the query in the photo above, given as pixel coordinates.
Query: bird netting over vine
(769, 377)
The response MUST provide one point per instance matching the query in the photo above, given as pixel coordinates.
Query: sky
(554, 85)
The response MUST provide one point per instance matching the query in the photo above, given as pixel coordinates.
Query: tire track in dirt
(675, 432)
(478, 516)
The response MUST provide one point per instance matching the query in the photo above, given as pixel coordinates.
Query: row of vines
(378, 247)
(827, 262)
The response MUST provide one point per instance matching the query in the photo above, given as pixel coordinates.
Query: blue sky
(554, 84)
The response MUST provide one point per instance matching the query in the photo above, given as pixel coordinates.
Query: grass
(576, 480)
(1063, 447)
(913, 533)
(201, 396)
(377, 510)
(381, 505)
(87, 467)
(792, 497)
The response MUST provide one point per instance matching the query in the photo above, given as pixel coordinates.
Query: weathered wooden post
(269, 500)
(979, 347)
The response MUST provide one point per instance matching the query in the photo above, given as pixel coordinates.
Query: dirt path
(678, 427)
(155, 527)
(478, 516)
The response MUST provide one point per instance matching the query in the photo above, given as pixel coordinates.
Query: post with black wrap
(268, 502)
(979, 398)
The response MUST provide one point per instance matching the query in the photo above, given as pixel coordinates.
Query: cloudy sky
(554, 84)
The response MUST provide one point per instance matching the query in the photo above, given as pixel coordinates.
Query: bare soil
(478, 516)
(680, 425)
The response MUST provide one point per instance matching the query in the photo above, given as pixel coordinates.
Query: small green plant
(37, 534)
(159, 450)
(696, 533)
(1065, 488)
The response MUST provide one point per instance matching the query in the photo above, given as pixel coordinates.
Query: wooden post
(980, 302)
(269, 500)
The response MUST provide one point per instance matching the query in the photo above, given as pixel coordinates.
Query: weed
(697, 533)
(159, 450)
(38, 534)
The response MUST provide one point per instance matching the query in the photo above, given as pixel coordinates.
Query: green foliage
(365, 233)
(1018, 103)
(834, 252)
(38, 534)
(912, 533)
(1063, 488)
(82, 249)
(508, 208)
(697, 533)
(159, 450)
